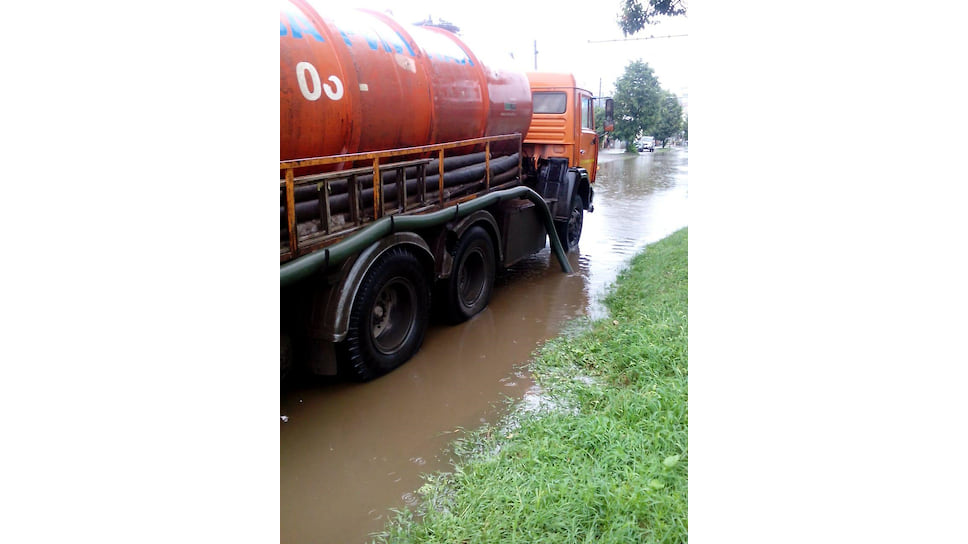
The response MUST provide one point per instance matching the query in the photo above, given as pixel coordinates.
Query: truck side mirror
(609, 123)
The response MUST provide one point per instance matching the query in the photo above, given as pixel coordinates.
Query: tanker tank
(357, 80)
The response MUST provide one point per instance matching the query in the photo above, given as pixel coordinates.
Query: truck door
(588, 140)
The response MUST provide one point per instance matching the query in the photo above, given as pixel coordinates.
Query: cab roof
(551, 79)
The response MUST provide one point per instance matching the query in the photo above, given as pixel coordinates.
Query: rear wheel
(388, 319)
(472, 279)
(569, 233)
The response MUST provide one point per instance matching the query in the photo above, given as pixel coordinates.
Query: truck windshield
(545, 102)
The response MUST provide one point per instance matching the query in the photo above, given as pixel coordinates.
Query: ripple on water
(410, 498)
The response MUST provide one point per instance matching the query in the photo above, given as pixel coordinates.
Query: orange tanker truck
(410, 172)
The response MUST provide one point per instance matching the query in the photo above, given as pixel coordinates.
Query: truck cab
(563, 121)
(562, 144)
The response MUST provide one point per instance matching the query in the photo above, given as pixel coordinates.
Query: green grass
(604, 458)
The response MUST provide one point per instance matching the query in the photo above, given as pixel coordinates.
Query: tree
(670, 117)
(637, 94)
(635, 14)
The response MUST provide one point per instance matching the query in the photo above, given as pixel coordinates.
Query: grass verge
(603, 456)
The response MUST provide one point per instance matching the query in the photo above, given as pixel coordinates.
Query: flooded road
(351, 452)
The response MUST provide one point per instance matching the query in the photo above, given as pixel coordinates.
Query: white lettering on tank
(334, 94)
(302, 68)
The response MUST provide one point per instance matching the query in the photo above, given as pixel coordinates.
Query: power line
(635, 39)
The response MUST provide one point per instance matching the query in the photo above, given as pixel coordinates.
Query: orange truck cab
(563, 121)
(561, 146)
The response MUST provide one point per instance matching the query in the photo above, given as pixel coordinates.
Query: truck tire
(468, 290)
(388, 319)
(569, 233)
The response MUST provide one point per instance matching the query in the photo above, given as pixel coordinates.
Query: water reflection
(638, 201)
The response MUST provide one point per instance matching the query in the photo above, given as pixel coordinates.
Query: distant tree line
(643, 107)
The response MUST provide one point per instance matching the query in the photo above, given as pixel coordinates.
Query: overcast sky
(497, 29)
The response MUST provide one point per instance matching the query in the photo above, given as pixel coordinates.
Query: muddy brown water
(350, 453)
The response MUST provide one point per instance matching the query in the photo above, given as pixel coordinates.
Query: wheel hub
(392, 316)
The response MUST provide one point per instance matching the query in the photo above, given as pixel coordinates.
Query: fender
(446, 241)
(585, 189)
(330, 321)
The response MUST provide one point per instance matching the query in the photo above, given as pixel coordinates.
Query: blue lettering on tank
(346, 37)
(376, 42)
(444, 57)
(467, 57)
(298, 24)
(456, 60)
(405, 44)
